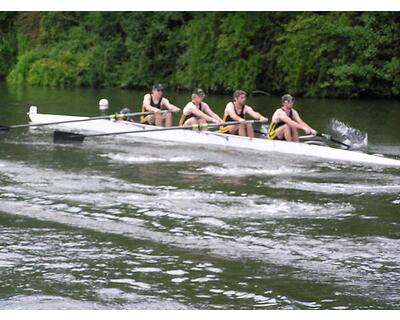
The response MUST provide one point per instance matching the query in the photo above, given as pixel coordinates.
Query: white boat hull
(212, 138)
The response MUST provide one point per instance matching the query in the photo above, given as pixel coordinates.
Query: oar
(111, 116)
(329, 137)
(70, 137)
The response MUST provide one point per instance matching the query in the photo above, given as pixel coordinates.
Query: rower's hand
(156, 111)
(242, 120)
(176, 109)
(310, 131)
(263, 119)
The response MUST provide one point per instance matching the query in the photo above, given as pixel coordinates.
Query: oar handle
(228, 123)
(146, 113)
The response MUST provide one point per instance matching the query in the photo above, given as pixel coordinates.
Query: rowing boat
(213, 139)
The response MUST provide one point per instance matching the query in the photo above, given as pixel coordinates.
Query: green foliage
(311, 54)
(153, 44)
(8, 43)
(340, 54)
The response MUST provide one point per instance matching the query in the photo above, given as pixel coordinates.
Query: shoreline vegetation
(309, 54)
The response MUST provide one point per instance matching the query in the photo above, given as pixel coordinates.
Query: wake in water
(348, 135)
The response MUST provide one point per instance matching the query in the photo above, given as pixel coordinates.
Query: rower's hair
(238, 93)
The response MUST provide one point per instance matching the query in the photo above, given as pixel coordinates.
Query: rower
(286, 121)
(122, 115)
(155, 102)
(197, 111)
(236, 111)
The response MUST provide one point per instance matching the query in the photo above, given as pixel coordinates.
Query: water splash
(351, 136)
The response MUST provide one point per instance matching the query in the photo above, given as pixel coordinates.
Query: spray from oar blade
(349, 135)
(69, 137)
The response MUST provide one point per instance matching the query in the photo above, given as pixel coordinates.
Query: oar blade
(67, 137)
(4, 129)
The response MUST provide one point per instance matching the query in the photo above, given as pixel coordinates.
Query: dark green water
(136, 225)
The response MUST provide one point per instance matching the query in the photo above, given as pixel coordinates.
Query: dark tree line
(335, 54)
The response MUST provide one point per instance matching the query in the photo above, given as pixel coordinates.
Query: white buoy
(32, 110)
(103, 104)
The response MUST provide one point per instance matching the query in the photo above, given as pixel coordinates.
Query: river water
(119, 224)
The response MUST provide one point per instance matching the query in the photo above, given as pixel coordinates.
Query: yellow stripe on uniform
(224, 129)
(271, 135)
(145, 119)
(182, 119)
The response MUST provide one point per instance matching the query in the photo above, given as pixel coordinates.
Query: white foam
(40, 302)
(176, 272)
(241, 171)
(147, 269)
(179, 280)
(335, 188)
(213, 222)
(119, 157)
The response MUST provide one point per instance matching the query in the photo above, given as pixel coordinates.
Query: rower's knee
(233, 129)
(288, 133)
(295, 134)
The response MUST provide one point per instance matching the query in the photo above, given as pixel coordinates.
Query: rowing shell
(214, 139)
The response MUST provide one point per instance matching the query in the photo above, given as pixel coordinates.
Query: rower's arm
(255, 115)
(301, 122)
(170, 106)
(200, 114)
(211, 113)
(147, 106)
(284, 117)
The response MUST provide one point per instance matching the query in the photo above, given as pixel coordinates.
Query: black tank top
(155, 105)
(280, 122)
(241, 114)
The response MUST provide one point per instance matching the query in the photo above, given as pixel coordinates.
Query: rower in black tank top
(144, 119)
(225, 129)
(183, 118)
(228, 118)
(271, 135)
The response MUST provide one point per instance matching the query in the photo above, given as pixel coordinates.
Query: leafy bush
(332, 54)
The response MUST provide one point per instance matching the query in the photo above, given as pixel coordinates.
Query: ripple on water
(186, 216)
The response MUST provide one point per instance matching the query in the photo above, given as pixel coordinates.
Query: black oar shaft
(328, 137)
